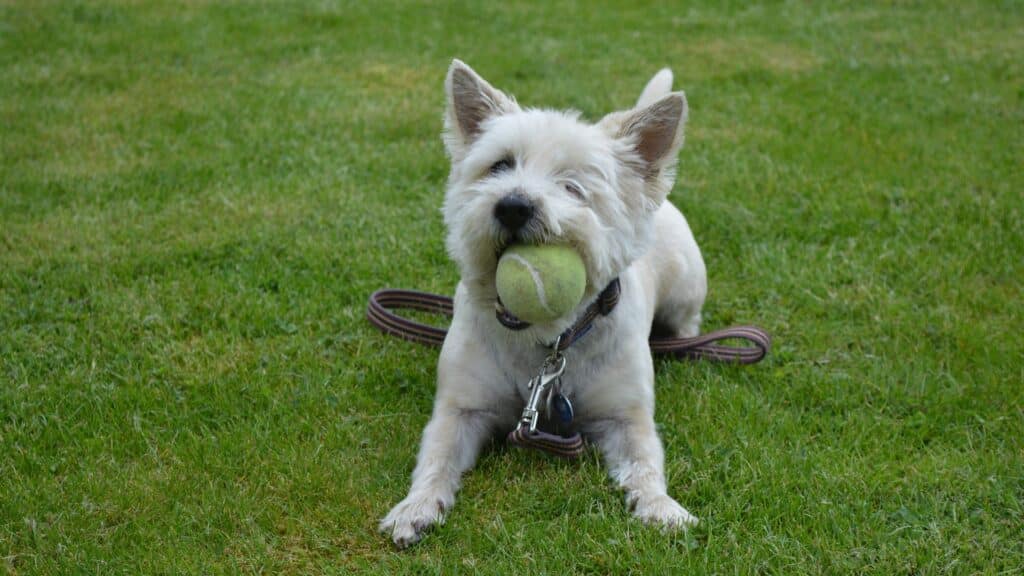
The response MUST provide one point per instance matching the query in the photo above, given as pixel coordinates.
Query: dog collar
(602, 306)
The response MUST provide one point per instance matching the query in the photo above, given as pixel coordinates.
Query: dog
(522, 175)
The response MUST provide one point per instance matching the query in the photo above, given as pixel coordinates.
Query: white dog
(541, 176)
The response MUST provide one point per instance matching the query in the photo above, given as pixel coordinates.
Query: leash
(546, 385)
(704, 347)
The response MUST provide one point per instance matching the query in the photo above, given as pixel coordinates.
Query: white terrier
(540, 176)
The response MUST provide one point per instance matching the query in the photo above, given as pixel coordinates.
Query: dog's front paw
(663, 510)
(411, 517)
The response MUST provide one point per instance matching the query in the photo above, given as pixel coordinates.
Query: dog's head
(542, 176)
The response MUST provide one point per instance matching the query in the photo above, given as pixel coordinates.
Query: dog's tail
(656, 89)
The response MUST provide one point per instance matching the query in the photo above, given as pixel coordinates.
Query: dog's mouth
(500, 245)
(503, 241)
(529, 235)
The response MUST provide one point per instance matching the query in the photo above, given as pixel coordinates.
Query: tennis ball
(542, 283)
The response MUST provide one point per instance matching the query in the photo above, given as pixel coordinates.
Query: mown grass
(196, 199)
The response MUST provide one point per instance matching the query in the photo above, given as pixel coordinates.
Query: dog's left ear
(471, 101)
(655, 133)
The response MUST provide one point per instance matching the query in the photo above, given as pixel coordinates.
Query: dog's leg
(451, 442)
(635, 460)
(682, 277)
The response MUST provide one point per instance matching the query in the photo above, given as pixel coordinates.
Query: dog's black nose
(513, 212)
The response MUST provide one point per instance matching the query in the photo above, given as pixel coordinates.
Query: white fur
(623, 168)
(657, 87)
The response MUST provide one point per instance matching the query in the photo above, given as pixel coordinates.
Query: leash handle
(707, 347)
(704, 347)
(380, 315)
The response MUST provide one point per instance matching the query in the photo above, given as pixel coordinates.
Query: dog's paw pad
(664, 511)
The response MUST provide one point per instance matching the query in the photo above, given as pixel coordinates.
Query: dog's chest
(591, 365)
(581, 371)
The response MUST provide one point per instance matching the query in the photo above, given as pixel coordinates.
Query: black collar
(603, 306)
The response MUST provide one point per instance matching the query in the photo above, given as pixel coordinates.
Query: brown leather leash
(704, 347)
(527, 434)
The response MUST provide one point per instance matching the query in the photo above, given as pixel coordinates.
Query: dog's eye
(573, 189)
(501, 166)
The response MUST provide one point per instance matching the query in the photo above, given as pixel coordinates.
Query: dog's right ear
(655, 133)
(471, 101)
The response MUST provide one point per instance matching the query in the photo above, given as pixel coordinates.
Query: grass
(197, 197)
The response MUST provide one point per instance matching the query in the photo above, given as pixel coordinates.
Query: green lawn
(197, 197)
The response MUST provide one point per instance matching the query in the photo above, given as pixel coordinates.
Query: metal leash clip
(550, 371)
(546, 383)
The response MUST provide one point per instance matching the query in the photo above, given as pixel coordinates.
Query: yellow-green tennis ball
(539, 284)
